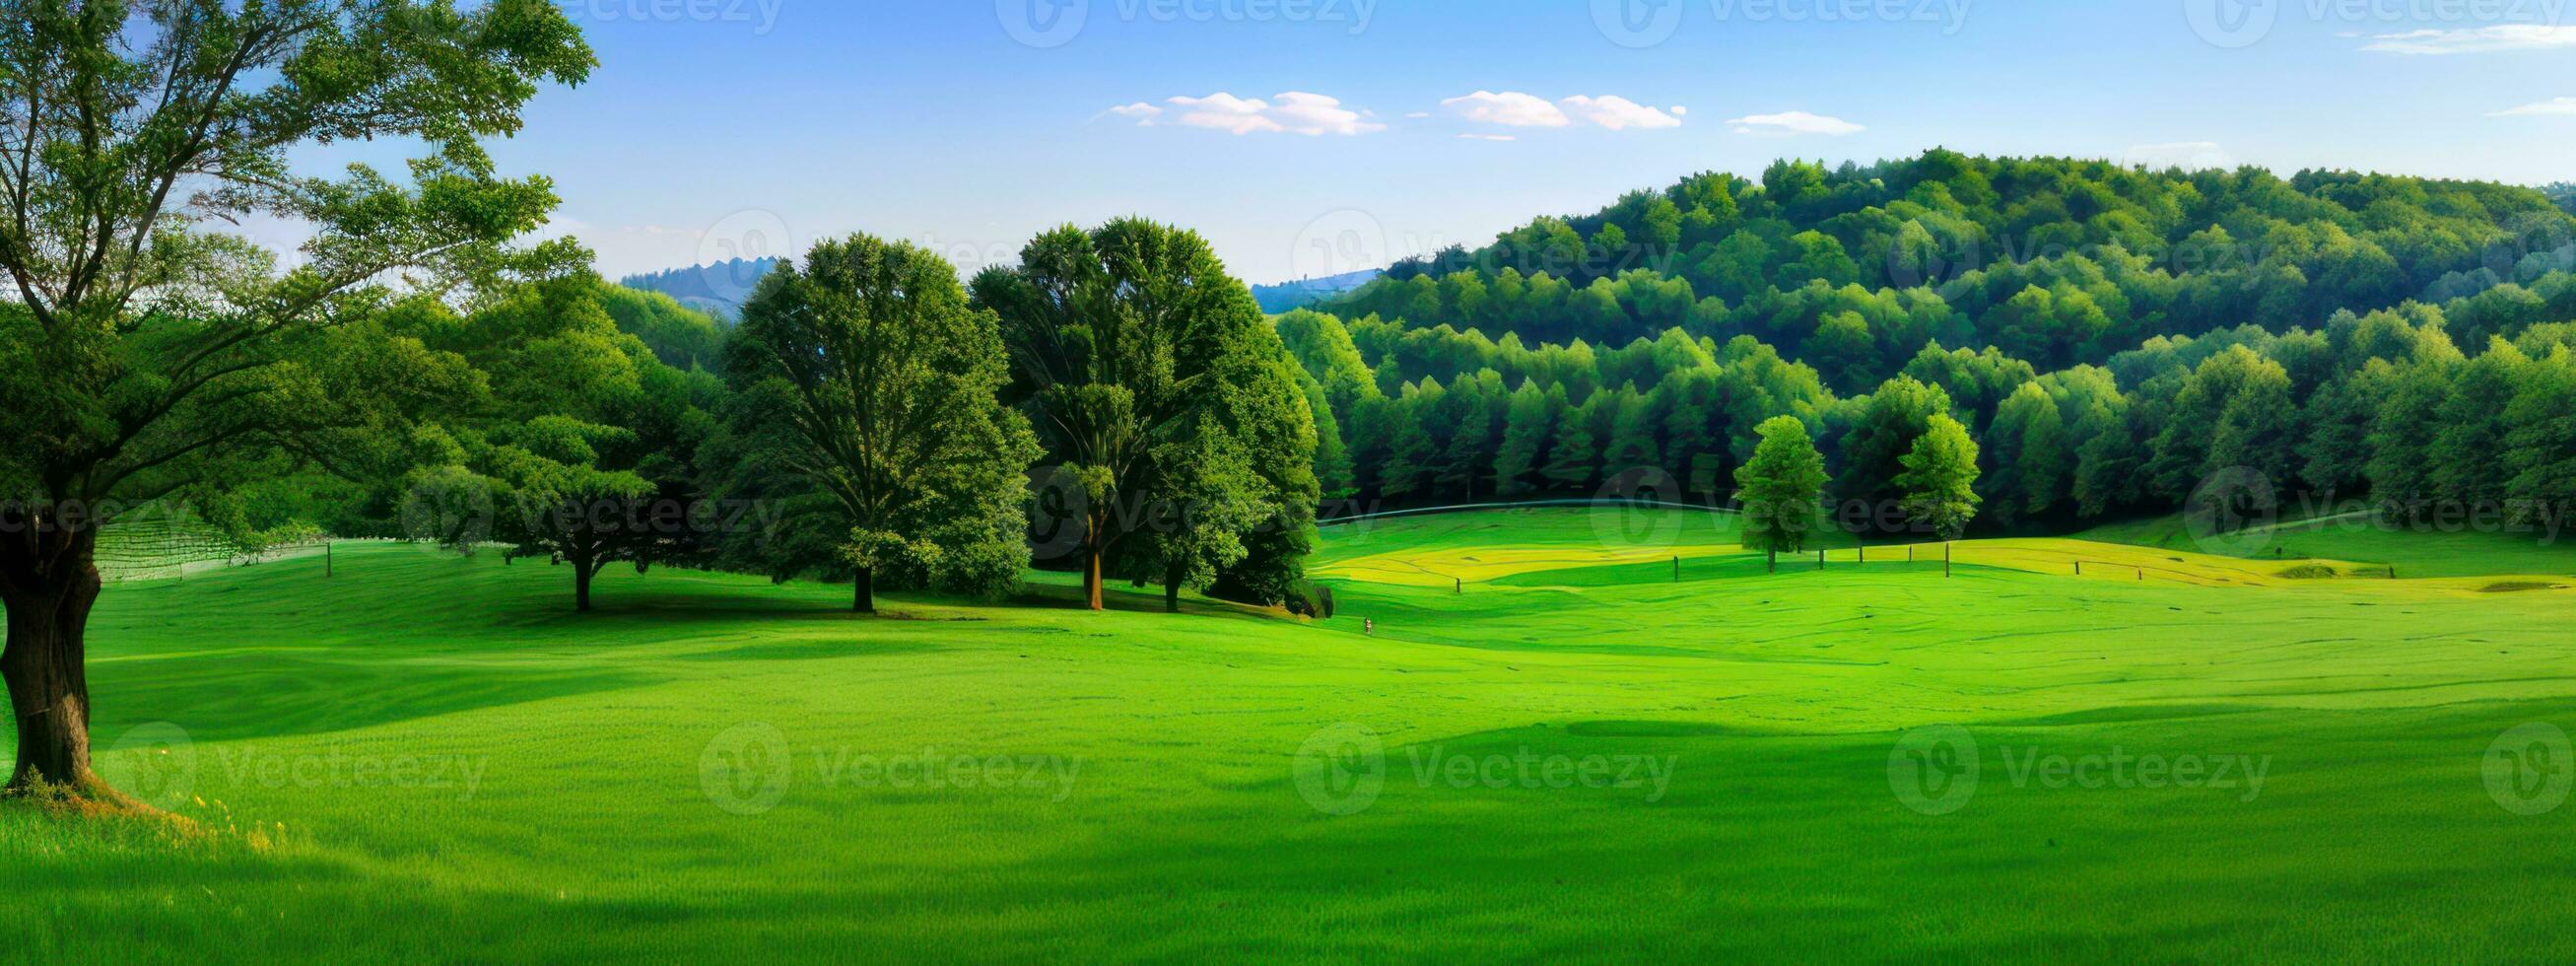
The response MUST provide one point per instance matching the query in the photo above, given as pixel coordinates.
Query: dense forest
(2112, 336)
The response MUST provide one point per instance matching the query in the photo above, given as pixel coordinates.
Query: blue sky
(721, 126)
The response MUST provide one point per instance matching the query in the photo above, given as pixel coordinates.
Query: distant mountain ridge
(1304, 292)
(718, 289)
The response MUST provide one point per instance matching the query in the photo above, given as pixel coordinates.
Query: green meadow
(1555, 743)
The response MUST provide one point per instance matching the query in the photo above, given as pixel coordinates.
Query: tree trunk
(51, 583)
(863, 592)
(1091, 577)
(582, 571)
(1172, 589)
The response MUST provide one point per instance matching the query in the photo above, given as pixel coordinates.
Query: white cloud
(1679, 111)
(1418, 115)
(1617, 113)
(1294, 112)
(1509, 109)
(2560, 106)
(2474, 40)
(2187, 155)
(1792, 123)
(1487, 137)
(1143, 113)
(1517, 109)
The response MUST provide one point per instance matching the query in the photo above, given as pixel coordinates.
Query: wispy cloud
(1617, 113)
(1793, 123)
(1487, 137)
(2473, 40)
(1294, 112)
(1143, 113)
(1517, 109)
(1509, 109)
(2554, 107)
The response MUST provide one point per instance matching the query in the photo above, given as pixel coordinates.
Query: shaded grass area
(570, 774)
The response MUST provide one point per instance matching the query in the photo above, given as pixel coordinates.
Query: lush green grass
(1165, 820)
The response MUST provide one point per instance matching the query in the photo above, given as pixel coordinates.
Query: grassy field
(1551, 746)
(2426, 550)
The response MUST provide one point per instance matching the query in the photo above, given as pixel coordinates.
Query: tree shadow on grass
(1125, 599)
(230, 697)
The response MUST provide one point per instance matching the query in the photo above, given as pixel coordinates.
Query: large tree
(587, 441)
(1125, 339)
(1940, 478)
(1781, 488)
(865, 378)
(150, 353)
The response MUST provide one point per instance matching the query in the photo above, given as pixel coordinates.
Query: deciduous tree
(1121, 338)
(1940, 478)
(1781, 488)
(864, 375)
(153, 354)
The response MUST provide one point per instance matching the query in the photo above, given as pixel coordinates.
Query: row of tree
(869, 419)
(2384, 405)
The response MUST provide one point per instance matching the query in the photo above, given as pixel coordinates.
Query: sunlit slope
(1610, 545)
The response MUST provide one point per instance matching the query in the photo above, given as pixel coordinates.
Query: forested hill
(2111, 336)
(681, 337)
(718, 289)
(1284, 296)
(2050, 260)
